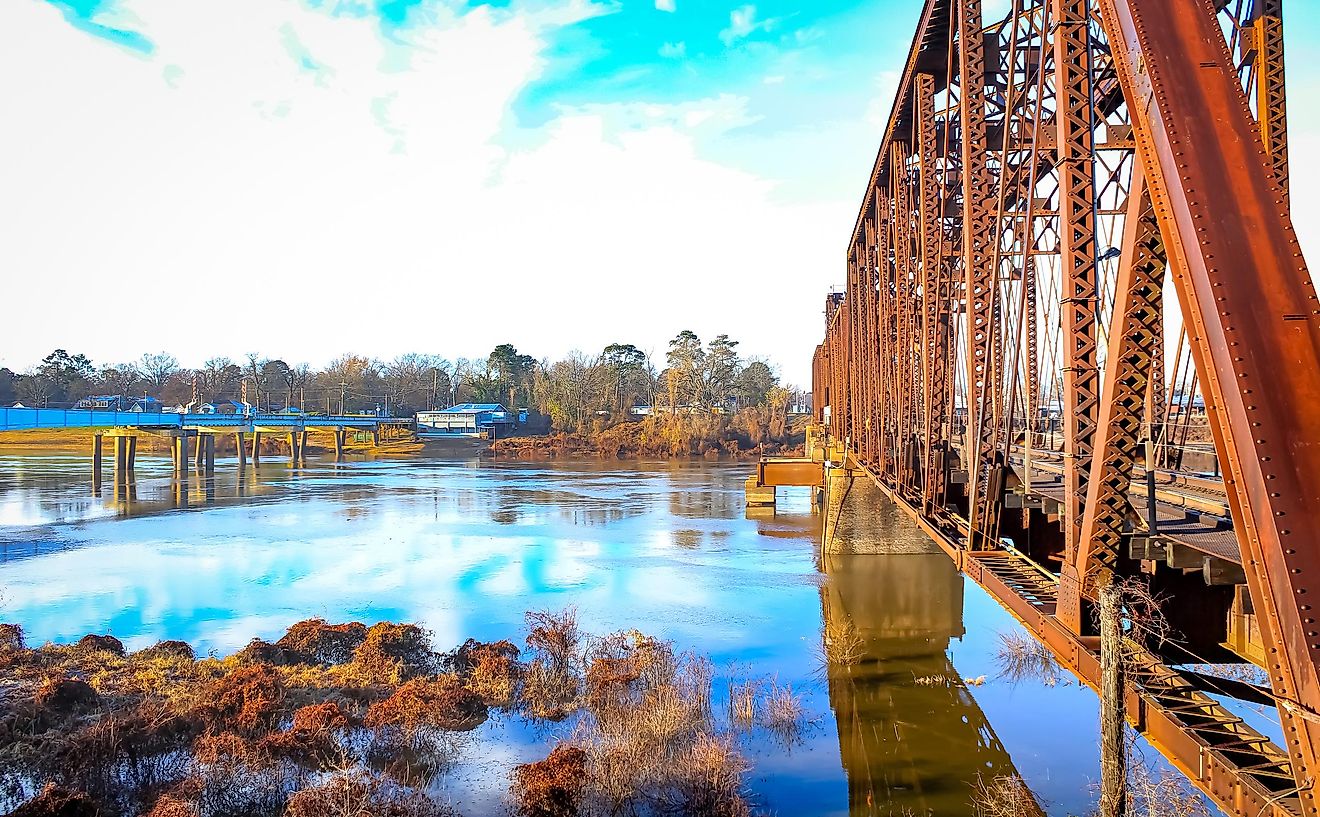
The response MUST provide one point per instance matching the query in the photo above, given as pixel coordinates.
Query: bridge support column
(179, 451)
(293, 447)
(121, 459)
(256, 449)
(199, 455)
(96, 464)
(339, 444)
(132, 455)
(375, 436)
(242, 451)
(302, 445)
(210, 454)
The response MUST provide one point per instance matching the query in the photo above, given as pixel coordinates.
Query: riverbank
(747, 435)
(335, 713)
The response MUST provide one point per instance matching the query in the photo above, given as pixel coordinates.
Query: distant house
(466, 418)
(102, 402)
(224, 407)
(148, 405)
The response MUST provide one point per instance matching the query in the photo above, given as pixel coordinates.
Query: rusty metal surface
(1002, 342)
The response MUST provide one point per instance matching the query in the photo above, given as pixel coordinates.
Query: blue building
(467, 419)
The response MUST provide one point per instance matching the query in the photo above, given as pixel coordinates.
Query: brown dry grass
(841, 643)
(1021, 657)
(1004, 796)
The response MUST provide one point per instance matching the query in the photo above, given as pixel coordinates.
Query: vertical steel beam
(1251, 313)
(1081, 380)
(978, 230)
(935, 293)
(1134, 334)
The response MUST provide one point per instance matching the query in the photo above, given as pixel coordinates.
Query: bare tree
(157, 369)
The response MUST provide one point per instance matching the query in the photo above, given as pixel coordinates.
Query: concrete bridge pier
(860, 519)
(125, 457)
(256, 449)
(210, 454)
(302, 445)
(340, 437)
(242, 452)
(179, 455)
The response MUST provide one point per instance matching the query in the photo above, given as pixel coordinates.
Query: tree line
(693, 376)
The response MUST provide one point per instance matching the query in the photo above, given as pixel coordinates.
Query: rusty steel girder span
(999, 362)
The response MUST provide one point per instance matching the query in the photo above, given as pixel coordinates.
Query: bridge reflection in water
(911, 736)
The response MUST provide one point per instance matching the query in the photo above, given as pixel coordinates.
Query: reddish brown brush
(552, 787)
(247, 699)
(57, 802)
(444, 703)
(491, 670)
(324, 643)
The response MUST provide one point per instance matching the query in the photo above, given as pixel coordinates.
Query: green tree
(753, 382)
(629, 375)
(687, 364)
(508, 371)
(721, 371)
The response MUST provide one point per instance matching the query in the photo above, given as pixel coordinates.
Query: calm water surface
(465, 547)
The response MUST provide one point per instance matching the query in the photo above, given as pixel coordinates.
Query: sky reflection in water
(465, 548)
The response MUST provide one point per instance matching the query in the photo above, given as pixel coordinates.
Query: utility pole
(341, 397)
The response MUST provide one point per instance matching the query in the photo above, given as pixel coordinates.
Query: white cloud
(219, 199)
(742, 21)
(674, 51)
(665, 5)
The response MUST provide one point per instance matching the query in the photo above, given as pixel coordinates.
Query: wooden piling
(1113, 751)
(96, 464)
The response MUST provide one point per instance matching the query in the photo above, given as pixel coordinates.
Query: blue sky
(555, 174)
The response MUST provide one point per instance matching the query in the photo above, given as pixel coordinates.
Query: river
(464, 548)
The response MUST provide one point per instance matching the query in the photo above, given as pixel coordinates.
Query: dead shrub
(491, 670)
(393, 653)
(355, 793)
(743, 703)
(263, 653)
(1021, 657)
(101, 643)
(443, 703)
(708, 779)
(842, 644)
(1163, 793)
(170, 806)
(549, 692)
(128, 754)
(554, 635)
(247, 699)
(1004, 796)
(54, 801)
(179, 650)
(234, 776)
(324, 643)
(313, 738)
(66, 696)
(552, 787)
(782, 711)
(11, 637)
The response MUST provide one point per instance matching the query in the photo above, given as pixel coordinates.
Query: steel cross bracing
(1045, 185)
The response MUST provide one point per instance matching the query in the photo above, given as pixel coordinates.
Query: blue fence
(25, 419)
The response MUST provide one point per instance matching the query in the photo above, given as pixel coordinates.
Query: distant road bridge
(124, 427)
(1002, 364)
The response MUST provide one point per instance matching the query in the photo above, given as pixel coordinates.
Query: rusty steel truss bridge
(1079, 343)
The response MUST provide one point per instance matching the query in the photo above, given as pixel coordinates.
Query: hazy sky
(304, 179)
